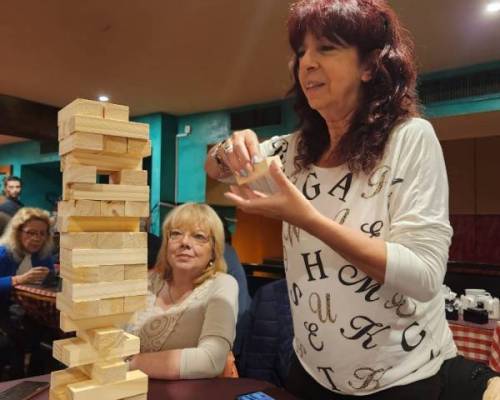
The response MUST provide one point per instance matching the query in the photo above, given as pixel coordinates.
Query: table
(203, 389)
(39, 303)
(478, 342)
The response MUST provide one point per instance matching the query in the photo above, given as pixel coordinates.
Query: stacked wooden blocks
(103, 254)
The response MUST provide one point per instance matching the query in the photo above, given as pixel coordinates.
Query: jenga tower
(103, 253)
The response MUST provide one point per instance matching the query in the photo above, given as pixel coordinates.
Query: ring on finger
(227, 146)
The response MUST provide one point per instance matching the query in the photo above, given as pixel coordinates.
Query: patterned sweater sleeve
(420, 233)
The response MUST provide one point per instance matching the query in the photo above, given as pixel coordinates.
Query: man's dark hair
(11, 178)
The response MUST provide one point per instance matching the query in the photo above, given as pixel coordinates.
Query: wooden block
(141, 148)
(80, 107)
(106, 371)
(113, 209)
(81, 240)
(98, 224)
(129, 177)
(92, 309)
(105, 162)
(83, 123)
(102, 273)
(79, 208)
(134, 303)
(116, 111)
(260, 169)
(89, 191)
(115, 144)
(82, 141)
(103, 240)
(80, 173)
(135, 384)
(74, 352)
(103, 339)
(104, 290)
(130, 240)
(66, 376)
(136, 209)
(96, 257)
(68, 324)
(60, 393)
(136, 271)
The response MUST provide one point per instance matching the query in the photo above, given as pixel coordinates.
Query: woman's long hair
(11, 238)
(194, 216)
(389, 98)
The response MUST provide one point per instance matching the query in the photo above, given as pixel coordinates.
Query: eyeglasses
(176, 235)
(32, 234)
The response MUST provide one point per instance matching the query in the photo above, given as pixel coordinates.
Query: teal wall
(468, 105)
(206, 129)
(38, 186)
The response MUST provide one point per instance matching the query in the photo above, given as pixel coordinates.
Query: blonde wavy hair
(192, 216)
(12, 235)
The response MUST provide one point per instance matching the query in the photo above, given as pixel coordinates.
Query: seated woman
(25, 257)
(188, 327)
(25, 249)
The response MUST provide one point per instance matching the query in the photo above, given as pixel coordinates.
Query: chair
(267, 343)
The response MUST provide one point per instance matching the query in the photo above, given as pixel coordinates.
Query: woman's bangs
(337, 24)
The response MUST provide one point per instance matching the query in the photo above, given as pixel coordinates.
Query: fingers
(240, 150)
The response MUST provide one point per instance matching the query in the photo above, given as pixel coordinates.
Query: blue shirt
(9, 266)
(235, 269)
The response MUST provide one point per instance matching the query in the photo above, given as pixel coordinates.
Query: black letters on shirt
(318, 264)
(315, 187)
(344, 185)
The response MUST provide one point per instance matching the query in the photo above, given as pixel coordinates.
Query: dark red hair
(373, 28)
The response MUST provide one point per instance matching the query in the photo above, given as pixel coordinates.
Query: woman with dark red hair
(364, 203)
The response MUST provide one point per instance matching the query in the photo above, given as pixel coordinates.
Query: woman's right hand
(241, 151)
(34, 275)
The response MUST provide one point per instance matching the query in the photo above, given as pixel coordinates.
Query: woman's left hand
(492, 391)
(288, 204)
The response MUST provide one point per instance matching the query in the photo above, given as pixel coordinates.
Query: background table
(39, 303)
(478, 342)
(202, 389)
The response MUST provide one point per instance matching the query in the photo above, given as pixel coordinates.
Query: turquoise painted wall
(207, 129)
(161, 166)
(26, 160)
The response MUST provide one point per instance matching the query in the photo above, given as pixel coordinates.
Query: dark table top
(203, 389)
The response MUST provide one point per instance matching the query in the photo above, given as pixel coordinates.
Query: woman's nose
(186, 239)
(308, 60)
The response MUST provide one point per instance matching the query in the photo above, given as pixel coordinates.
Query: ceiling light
(103, 98)
(493, 7)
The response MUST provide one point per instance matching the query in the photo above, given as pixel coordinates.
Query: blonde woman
(25, 249)
(188, 327)
(25, 257)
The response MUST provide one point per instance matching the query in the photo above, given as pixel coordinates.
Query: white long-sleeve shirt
(352, 334)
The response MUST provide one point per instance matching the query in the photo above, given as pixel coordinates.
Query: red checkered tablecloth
(495, 349)
(478, 343)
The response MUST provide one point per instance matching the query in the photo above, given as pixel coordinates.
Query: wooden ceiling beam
(27, 119)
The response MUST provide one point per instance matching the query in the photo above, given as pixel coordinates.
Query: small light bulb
(493, 7)
(103, 98)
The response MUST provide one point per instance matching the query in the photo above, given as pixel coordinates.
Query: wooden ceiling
(188, 56)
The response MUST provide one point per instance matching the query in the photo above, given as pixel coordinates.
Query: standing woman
(364, 204)
(188, 327)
